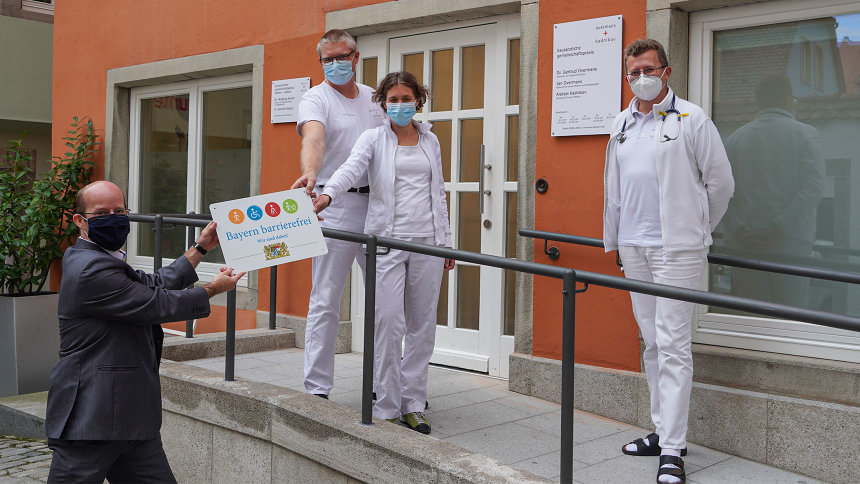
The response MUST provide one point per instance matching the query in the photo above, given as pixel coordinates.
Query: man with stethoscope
(667, 183)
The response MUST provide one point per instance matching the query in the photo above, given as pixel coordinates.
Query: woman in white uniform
(403, 162)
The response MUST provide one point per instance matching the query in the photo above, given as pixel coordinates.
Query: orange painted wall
(606, 333)
(215, 323)
(92, 36)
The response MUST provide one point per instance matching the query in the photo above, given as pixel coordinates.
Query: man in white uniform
(667, 184)
(332, 115)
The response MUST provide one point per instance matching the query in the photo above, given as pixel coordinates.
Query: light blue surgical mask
(338, 72)
(400, 113)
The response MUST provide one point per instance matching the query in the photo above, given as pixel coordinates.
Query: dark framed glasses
(327, 61)
(119, 212)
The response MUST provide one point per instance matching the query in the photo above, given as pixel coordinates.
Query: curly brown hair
(407, 79)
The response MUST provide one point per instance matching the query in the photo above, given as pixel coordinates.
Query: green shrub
(36, 213)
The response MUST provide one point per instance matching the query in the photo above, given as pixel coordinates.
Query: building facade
(184, 93)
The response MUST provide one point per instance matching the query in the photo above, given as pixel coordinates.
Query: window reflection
(221, 159)
(414, 63)
(164, 168)
(368, 69)
(787, 107)
(226, 163)
(442, 70)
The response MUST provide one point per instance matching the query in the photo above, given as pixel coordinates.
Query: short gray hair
(333, 36)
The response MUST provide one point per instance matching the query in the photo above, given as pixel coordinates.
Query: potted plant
(35, 227)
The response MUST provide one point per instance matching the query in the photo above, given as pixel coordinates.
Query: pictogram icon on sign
(255, 213)
(272, 209)
(290, 206)
(236, 216)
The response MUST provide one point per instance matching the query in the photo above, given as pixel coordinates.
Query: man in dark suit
(104, 404)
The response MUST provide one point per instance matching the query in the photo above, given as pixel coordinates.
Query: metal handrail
(713, 258)
(190, 221)
(567, 275)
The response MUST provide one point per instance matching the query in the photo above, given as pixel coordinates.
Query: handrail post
(156, 245)
(369, 330)
(230, 355)
(189, 239)
(273, 295)
(567, 369)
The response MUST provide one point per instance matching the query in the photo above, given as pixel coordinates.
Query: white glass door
(470, 76)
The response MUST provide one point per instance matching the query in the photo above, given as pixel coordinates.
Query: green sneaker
(392, 420)
(417, 421)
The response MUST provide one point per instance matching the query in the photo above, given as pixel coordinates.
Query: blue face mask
(338, 72)
(400, 113)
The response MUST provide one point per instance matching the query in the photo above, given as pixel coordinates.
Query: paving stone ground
(23, 460)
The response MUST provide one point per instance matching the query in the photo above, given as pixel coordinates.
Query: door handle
(484, 166)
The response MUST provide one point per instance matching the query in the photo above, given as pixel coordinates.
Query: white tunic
(413, 214)
(639, 224)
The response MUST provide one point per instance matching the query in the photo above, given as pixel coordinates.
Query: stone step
(24, 415)
(178, 348)
(776, 429)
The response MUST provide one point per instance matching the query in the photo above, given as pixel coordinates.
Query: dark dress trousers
(106, 385)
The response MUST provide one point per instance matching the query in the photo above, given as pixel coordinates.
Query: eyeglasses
(119, 212)
(648, 71)
(326, 61)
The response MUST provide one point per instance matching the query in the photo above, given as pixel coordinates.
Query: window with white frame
(780, 81)
(190, 147)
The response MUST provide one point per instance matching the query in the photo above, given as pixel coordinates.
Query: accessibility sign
(267, 230)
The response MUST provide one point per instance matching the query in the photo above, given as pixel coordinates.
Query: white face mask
(647, 88)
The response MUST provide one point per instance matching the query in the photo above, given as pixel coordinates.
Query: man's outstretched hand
(208, 237)
(223, 282)
(308, 182)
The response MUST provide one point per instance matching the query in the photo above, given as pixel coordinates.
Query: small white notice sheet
(587, 72)
(268, 230)
(286, 95)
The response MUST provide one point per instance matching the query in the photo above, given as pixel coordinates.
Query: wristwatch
(200, 248)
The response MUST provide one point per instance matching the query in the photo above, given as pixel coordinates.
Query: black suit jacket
(106, 385)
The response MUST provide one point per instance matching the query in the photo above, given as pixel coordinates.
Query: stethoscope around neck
(622, 137)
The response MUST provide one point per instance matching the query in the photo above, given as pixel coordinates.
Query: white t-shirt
(344, 120)
(413, 207)
(639, 225)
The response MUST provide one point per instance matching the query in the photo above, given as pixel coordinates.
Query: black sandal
(652, 449)
(672, 471)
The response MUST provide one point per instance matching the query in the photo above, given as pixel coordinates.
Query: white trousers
(666, 329)
(407, 292)
(328, 276)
